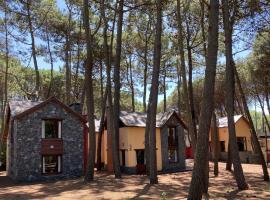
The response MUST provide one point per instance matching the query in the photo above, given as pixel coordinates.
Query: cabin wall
(27, 158)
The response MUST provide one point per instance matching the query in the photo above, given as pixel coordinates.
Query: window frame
(59, 130)
(173, 144)
(59, 165)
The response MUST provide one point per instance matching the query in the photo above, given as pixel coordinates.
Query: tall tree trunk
(178, 88)
(164, 92)
(67, 66)
(216, 148)
(89, 96)
(33, 47)
(115, 136)
(51, 60)
(101, 128)
(199, 182)
(263, 112)
(108, 58)
(6, 77)
(131, 85)
(76, 84)
(230, 91)
(190, 85)
(229, 158)
(152, 105)
(254, 137)
(191, 127)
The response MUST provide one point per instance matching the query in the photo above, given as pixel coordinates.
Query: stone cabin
(44, 140)
(170, 143)
(243, 137)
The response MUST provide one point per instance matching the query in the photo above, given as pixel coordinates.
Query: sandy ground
(171, 186)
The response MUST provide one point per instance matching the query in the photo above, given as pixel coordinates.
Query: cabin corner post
(181, 146)
(164, 147)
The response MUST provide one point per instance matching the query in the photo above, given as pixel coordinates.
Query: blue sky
(171, 86)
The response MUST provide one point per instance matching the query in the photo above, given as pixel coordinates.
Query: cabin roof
(19, 109)
(138, 119)
(223, 122)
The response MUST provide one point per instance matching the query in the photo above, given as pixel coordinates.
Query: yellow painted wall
(242, 130)
(130, 139)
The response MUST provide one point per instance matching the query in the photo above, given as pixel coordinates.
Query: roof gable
(138, 119)
(223, 122)
(20, 109)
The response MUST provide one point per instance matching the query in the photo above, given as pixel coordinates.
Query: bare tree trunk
(33, 47)
(67, 66)
(216, 148)
(76, 84)
(230, 91)
(229, 158)
(115, 136)
(89, 96)
(152, 105)
(190, 85)
(164, 92)
(51, 60)
(108, 57)
(191, 127)
(254, 137)
(263, 112)
(131, 85)
(202, 2)
(101, 128)
(199, 182)
(5, 99)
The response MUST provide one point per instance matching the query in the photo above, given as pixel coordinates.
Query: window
(51, 128)
(241, 143)
(51, 164)
(172, 145)
(222, 146)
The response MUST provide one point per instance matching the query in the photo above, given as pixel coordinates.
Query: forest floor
(171, 186)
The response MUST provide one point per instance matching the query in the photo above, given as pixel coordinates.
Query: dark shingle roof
(18, 107)
(138, 119)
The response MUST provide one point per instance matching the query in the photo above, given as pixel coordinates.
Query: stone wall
(27, 145)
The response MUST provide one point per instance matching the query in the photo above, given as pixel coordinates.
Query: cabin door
(140, 167)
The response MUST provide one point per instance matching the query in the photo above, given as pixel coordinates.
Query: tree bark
(216, 147)
(101, 128)
(164, 92)
(254, 137)
(190, 84)
(33, 47)
(115, 136)
(89, 96)
(152, 105)
(199, 182)
(229, 158)
(191, 127)
(131, 85)
(230, 91)
(51, 60)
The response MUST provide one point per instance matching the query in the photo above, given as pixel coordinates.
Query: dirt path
(171, 186)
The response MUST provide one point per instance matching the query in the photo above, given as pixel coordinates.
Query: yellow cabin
(243, 135)
(170, 143)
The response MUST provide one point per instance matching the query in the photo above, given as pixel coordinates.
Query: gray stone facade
(24, 160)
